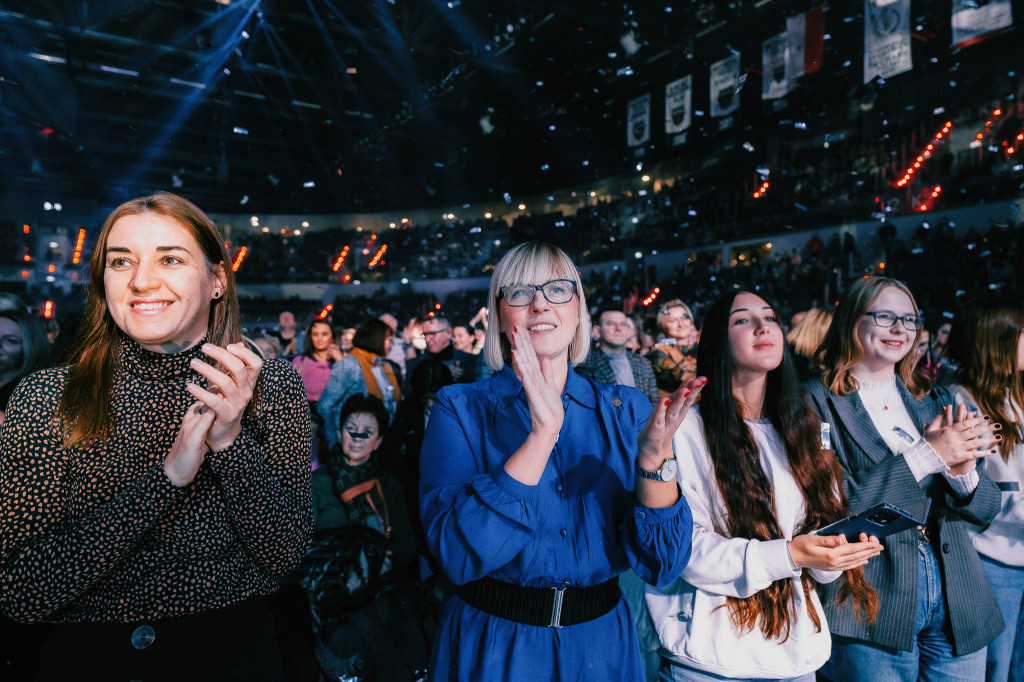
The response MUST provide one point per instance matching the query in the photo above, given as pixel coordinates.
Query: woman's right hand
(833, 552)
(334, 352)
(189, 449)
(542, 394)
(961, 439)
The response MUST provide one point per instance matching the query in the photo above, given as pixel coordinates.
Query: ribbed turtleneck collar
(150, 366)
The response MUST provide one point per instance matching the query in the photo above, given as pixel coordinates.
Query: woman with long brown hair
(156, 488)
(900, 444)
(759, 482)
(987, 342)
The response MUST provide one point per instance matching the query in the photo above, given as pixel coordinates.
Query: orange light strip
(924, 155)
(376, 258)
(652, 296)
(239, 258)
(340, 260)
(78, 247)
(760, 193)
(323, 313)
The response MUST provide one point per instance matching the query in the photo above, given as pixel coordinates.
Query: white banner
(725, 82)
(972, 23)
(638, 124)
(796, 32)
(886, 38)
(678, 105)
(774, 82)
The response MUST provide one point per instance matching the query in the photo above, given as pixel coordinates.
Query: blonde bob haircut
(532, 263)
(669, 305)
(841, 349)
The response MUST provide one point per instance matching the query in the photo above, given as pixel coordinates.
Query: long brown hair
(841, 348)
(745, 488)
(984, 340)
(84, 408)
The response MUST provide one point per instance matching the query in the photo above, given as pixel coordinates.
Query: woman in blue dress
(538, 487)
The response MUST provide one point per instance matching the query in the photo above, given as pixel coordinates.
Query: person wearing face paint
(352, 488)
(538, 487)
(674, 357)
(759, 483)
(987, 342)
(157, 488)
(900, 444)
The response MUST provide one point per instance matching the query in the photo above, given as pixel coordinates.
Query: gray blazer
(873, 475)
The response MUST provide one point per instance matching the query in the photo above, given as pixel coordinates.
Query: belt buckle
(556, 608)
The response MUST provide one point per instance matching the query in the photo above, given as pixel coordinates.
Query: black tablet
(881, 520)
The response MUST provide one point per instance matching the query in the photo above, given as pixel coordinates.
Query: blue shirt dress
(580, 526)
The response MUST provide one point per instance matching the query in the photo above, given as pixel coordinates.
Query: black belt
(552, 607)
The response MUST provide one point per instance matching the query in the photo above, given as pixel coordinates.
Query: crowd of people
(488, 477)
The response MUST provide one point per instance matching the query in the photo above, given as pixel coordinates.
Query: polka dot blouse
(101, 534)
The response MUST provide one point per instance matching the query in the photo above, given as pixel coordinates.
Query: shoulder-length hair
(35, 346)
(532, 263)
(984, 340)
(745, 486)
(307, 345)
(84, 407)
(805, 338)
(841, 349)
(371, 335)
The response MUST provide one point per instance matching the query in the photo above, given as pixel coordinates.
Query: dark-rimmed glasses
(887, 318)
(556, 291)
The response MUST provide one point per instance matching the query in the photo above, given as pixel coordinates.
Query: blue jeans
(932, 659)
(673, 672)
(1005, 659)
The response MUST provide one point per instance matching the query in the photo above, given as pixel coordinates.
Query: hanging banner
(972, 24)
(638, 125)
(678, 100)
(886, 38)
(805, 43)
(774, 83)
(725, 82)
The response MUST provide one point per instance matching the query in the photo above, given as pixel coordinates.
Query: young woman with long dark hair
(987, 342)
(902, 444)
(760, 482)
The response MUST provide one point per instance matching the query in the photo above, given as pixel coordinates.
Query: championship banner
(774, 83)
(805, 43)
(972, 24)
(886, 38)
(678, 101)
(725, 81)
(638, 124)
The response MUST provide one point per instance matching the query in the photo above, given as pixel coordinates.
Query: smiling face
(437, 335)
(883, 347)
(462, 339)
(360, 436)
(676, 323)
(321, 335)
(755, 336)
(158, 286)
(551, 326)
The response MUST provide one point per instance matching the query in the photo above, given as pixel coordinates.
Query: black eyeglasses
(887, 318)
(556, 291)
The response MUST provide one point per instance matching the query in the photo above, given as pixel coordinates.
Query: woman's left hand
(229, 392)
(655, 440)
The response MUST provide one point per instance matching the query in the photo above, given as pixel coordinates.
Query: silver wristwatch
(667, 472)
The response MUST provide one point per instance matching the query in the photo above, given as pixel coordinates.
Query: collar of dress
(506, 387)
(150, 366)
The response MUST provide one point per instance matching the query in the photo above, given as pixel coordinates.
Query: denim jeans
(932, 659)
(673, 672)
(1005, 658)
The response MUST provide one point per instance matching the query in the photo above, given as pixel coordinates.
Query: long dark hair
(85, 405)
(746, 490)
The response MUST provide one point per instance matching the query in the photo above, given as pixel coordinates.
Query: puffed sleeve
(35, 533)
(475, 520)
(657, 542)
(265, 473)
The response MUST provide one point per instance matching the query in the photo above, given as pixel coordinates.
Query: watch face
(668, 469)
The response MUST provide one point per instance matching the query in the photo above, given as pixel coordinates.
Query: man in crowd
(287, 334)
(610, 363)
(437, 332)
(397, 354)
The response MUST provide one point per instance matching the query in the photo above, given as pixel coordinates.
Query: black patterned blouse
(101, 534)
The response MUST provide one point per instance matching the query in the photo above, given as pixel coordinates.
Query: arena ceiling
(353, 105)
